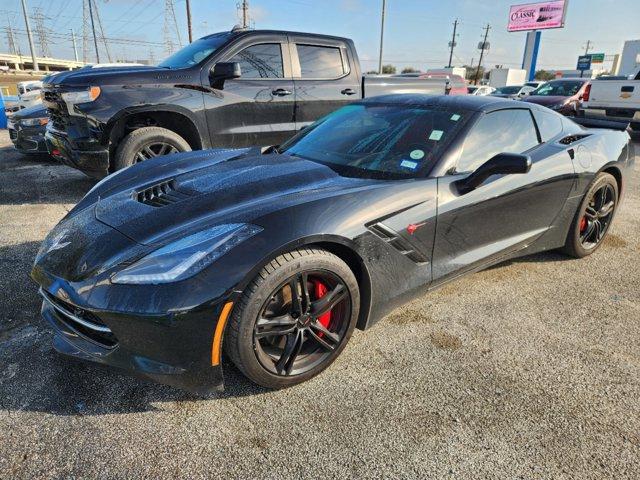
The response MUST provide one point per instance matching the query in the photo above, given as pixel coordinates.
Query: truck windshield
(563, 89)
(195, 52)
(378, 140)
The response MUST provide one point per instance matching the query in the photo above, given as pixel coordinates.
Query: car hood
(546, 100)
(37, 111)
(162, 201)
(112, 75)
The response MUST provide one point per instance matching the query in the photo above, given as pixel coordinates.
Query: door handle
(348, 91)
(281, 92)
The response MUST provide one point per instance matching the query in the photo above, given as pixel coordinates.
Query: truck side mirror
(225, 71)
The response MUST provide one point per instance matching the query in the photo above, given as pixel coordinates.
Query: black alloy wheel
(302, 323)
(294, 318)
(597, 216)
(154, 149)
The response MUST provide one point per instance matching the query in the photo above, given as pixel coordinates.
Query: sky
(416, 31)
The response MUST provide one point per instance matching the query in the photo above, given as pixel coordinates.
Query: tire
(252, 355)
(574, 245)
(147, 138)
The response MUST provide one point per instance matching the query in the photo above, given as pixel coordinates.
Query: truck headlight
(83, 96)
(34, 122)
(187, 256)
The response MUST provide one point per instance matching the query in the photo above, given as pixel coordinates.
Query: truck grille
(81, 321)
(56, 108)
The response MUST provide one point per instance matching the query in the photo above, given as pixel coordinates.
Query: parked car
(27, 128)
(535, 83)
(272, 257)
(515, 92)
(563, 95)
(456, 85)
(229, 89)
(480, 90)
(612, 100)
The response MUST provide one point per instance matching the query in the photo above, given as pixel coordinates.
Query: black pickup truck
(229, 89)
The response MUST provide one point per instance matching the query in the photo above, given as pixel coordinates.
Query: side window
(260, 61)
(504, 131)
(549, 124)
(320, 62)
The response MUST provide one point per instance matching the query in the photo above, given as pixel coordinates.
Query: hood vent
(568, 140)
(161, 194)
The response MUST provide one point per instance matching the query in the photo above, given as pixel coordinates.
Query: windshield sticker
(409, 164)
(436, 135)
(455, 117)
(416, 154)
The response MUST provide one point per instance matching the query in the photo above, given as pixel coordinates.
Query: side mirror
(502, 163)
(225, 71)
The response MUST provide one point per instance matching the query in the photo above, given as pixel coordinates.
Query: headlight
(186, 257)
(83, 96)
(34, 122)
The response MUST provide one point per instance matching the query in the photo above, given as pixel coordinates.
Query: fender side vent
(396, 241)
(568, 140)
(161, 194)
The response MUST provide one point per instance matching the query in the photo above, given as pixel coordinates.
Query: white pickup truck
(612, 100)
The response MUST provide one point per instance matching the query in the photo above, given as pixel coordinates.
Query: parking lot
(530, 369)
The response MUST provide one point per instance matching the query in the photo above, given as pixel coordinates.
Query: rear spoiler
(599, 123)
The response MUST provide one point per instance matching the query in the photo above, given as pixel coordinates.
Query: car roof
(466, 102)
(242, 32)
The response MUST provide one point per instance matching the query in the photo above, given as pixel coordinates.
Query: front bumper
(28, 140)
(170, 349)
(93, 160)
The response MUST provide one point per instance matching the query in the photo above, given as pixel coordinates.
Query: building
(630, 58)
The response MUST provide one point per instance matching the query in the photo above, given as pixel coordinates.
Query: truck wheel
(148, 142)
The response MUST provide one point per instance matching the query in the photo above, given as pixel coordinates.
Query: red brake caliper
(583, 224)
(320, 289)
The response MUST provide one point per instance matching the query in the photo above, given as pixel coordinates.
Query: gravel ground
(527, 370)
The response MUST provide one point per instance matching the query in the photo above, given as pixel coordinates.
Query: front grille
(56, 108)
(83, 322)
(394, 239)
(161, 194)
(13, 134)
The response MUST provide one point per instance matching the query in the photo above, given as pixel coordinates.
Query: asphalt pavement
(530, 369)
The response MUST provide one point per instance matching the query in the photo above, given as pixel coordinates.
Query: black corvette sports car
(273, 256)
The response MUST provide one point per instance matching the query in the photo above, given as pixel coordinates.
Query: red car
(562, 95)
(457, 84)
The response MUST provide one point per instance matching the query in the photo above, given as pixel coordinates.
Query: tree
(389, 69)
(471, 72)
(410, 70)
(544, 75)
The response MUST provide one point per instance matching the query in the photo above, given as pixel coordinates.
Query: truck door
(325, 75)
(258, 107)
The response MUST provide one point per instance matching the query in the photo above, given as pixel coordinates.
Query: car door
(258, 107)
(507, 212)
(324, 75)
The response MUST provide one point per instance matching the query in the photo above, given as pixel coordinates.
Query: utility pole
(452, 43)
(384, 7)
(75, 48)
(483, 46)
(104, 39)
(245, 14)
(33, 50)
(586, 52)
(189, 21)
(93, 29)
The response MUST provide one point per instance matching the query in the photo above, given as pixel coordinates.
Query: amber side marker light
(216, 347)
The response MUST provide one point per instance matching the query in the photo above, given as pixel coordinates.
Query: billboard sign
(537, 16)
(597, 57)
(584, 62)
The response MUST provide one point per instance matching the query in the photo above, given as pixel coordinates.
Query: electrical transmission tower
(11, 42)
(41, 31)
(169, 19)
(86, 28)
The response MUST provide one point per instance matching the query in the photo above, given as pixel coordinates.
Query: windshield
(508, 90)
(195, 52)
(378, 141)
(563, 89)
